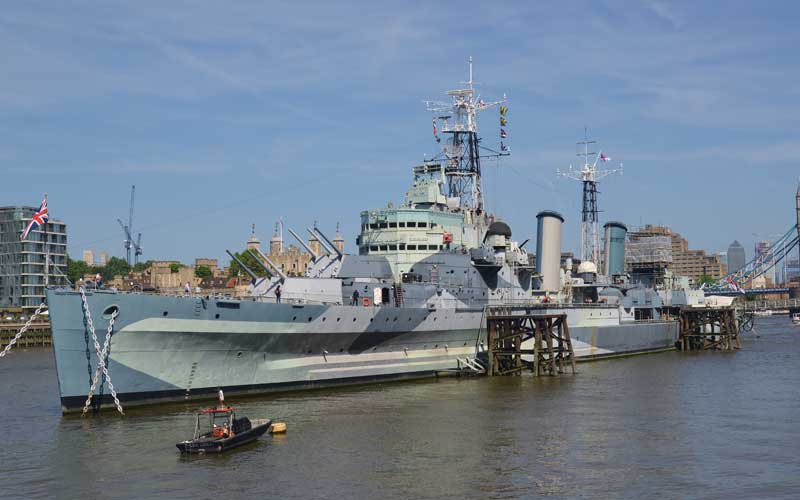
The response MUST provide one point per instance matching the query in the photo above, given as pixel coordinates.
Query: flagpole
(46, 252)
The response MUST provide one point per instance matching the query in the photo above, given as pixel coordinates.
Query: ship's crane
(129, 243)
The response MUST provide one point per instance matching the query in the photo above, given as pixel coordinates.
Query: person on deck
(278, 294)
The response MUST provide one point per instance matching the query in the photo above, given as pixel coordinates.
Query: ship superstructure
(409, 303)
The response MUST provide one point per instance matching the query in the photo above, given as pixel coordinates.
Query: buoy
(365, 301)
(277, 428)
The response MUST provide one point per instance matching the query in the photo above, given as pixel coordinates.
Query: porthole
(239, 354)
(370, 320)
(436, 346)
(216, 316)
(387, 319)
(309, 318)
(309, 351)
(338, 319)
(395, 318)
(354, 320)
(323, 318)
(341, 350)
(294, 318)
(165, 313)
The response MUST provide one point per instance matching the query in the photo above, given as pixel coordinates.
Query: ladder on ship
(398, 294)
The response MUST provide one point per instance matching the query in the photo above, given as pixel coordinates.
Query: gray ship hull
(177, 348)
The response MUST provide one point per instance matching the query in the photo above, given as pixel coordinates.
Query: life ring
(366, 302)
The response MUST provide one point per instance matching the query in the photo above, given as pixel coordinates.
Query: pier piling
(708, 328)
(508, 328)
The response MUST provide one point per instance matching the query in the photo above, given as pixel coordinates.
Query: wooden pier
(508, 328)
(38, 335)
(704, 328)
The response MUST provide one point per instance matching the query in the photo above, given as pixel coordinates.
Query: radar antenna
(461, 153)
(589, 175)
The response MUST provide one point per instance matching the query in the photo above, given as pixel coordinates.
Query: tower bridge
(741, 281)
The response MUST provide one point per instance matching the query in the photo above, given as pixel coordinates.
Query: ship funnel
(614, 248)
(548, 250)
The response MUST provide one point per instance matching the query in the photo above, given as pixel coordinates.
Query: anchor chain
(24, 329)
(101, 355)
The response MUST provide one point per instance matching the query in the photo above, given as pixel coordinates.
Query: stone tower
(253, 243)
(276, 243)
(314, 244)
(338, 241)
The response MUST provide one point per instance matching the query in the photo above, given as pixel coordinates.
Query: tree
(142, 266)
(114, 267)
(249, 261)
(203, 272)
(706, 280)
(76, 269)
(175, 267)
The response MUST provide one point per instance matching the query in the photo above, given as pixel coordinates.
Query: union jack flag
(38, 220)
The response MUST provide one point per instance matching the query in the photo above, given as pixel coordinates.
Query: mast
(588, 176)
(460, 153)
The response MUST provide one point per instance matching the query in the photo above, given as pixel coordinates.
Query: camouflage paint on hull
(176, 348)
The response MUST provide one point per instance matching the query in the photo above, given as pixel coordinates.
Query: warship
(410, 303)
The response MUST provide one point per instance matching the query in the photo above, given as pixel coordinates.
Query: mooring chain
(23, 329)
(101, 354)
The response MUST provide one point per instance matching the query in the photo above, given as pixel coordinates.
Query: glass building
(736, 257)
(22, 263)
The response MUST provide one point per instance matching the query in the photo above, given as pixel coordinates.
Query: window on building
(411, 247)
(401, 224)
(422, 224)
(393, 224)
(411, 224)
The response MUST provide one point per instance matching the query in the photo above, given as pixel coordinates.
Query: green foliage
(114, 267)
(76, 269)
(249, 261)
(707, 280)
(203, 272)
(142, 266)
(174, 267)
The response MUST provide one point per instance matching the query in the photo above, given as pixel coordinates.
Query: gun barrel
(326, 242)
(275, 269)
(241, 264)
(307, 248)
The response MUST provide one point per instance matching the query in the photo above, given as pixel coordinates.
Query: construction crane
(129, 243)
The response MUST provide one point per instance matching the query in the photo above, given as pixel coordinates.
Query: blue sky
(224, 115)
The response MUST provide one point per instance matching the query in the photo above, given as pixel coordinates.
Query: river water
(670, 425)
